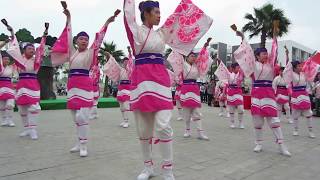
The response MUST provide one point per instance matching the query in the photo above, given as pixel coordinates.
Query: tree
(3, 37)
(23, 35)
(49, 40)
(118, 56)
(261, 22)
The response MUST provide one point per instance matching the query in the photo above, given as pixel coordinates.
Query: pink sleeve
(310, 69)
(130, 66)
(274, 52)
(203, 61)
(130, 22)
(14, 51)
(176, 61)
(185, 27)
(96, 45)
(112, 69)
(39, 54)
(63, 47)
(244, 56)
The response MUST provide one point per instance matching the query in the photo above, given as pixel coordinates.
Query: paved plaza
(114, 153)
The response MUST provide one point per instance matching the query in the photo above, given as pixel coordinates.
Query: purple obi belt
(149, 58)
(190, 81)
(5, 79)
(124, 82)
(78, 72)
(262, 83)
(234, 86)
(27, 76)
(298, 88)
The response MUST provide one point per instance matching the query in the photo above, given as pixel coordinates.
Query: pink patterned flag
(14, 51)
(185, 27)
(39, 54)
(60, 51)
(176, 61)
(244, 55)
(130, 66)
(310, 69)
(222, 72)
(112, 69)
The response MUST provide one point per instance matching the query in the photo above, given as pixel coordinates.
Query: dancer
(262, 95)
(28, 88)
(300, 99)
(151, 98)
(221, 96)
(95, 76)
(234, 91)
(80, 90)
(7, 92)
(177, 99)
(122, 74)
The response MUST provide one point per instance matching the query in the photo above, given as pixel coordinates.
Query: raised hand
(46, 25)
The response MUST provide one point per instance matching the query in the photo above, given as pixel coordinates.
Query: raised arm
(112, 69)
(203, 59)
(130, 22)
(41, 49)
(69, 31)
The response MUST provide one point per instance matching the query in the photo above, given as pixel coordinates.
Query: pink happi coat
(182, 30)
(7, 90)
(234, 90)
(190, 90)
(122, 75)
(28, 88)
(80, 85)
(263, 101)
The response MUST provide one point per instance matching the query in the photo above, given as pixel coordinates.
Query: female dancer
(151, 98)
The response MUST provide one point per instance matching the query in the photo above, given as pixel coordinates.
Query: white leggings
(274, 124)
(81, 120)
(29, 115)
(232, 110)
(155, 125)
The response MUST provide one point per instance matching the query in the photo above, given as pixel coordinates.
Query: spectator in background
(210, 90)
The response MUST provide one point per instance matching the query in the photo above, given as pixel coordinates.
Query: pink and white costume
(300, 100)
(262, 95)
(282, 96)
(234, 94)
(190, 91)
(151, 98)
(7, 93)
(28, 88)
(119, 74)
(221, 95)
(80, 84)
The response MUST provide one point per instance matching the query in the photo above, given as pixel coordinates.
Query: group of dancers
(145, 82)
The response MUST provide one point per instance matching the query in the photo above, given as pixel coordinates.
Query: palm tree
(117, 54)
(261, 22)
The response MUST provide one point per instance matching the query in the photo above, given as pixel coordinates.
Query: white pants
(81, 120)
(298, 113)
(29, 115)
(124, 107)
(6, 108)
(274, 124)
(194, 115)
(157, 125)
(232, 110)
(286, 108)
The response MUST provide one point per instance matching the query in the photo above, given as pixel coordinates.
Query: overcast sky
(89, 15)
